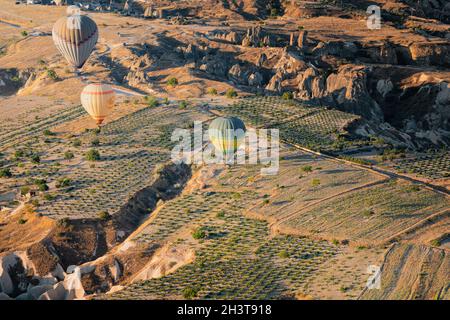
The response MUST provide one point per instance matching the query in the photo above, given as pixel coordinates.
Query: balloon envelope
(75, 37)
(227, 134)
(98, 100)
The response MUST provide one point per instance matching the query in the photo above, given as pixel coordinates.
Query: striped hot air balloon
(98, 100)
(75, 37)
(227, 134)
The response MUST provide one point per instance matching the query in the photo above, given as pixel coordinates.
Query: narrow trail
(10, 24)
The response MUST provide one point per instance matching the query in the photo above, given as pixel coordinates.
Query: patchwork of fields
(236, 258)
(251, 236)
(129, 149)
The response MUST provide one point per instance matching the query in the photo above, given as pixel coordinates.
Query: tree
(93, 155)
(5, 173)
(172, 82)
(199, 234)
(190, 292)
(231, 93)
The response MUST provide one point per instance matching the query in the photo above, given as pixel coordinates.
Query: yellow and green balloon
(227, 134)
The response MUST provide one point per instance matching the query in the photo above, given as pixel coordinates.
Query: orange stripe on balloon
(104, 92)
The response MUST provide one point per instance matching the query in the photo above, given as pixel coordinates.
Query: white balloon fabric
(75, 37)
(98, 100)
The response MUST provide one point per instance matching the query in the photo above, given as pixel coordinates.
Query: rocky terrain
(364, 117)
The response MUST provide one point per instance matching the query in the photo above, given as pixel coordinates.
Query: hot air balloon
(75, 36)
(98, 100)
(227, 134)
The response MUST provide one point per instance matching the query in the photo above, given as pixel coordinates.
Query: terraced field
(302, 181)
(413, 272)
(435, 165)
(309, 126)
(371, 215)
(25, 127)
(236, 259)
(129, 150)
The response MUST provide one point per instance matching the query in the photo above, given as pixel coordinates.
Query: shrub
(152, 101)
(190, 293)
(343, 289)
(172, 82)
(182, 104)
(63, 182)
(287, 96)
(356, 160)
(212, 91)
(35, 158)
(368, 212)
(22, 221)
(283, 254)
(199, 234)
(76, 142)
(64, 222)
(68, 155)
(48, 133)
(5, 173)
(19, 154)
(307, 169)
(435, 243)
(41, 184)
(24, 33)
(104, 215)
(24, 190)
(52, 74)
(95, 142)
(93, 155)
(412, 188)
(49, 197)
(220, 214)
(315, 182)
(231, 93)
